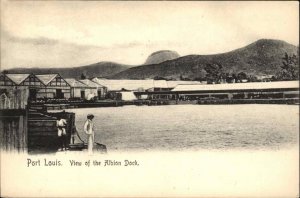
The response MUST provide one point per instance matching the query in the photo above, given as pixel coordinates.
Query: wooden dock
(13, 127)
(42, 130)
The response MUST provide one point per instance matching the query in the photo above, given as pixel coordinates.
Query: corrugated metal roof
(125, 84)
(46, 78)
(238, 86)
(160, 84)
(17, 78)
(91, 83)
(174, 83)
(75, 83)
(139, 84)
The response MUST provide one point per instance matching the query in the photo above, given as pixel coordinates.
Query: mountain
(261, 57)
(101, 69)
(161, 56)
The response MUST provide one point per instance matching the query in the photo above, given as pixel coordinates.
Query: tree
(159, 78)
(290, 67)
(5, 72)
(82, 77)
(252, 78)
(222, 78)
(213, 73)
(242, 76)
(181, 77)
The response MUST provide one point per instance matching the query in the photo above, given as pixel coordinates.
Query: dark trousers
(63, 141)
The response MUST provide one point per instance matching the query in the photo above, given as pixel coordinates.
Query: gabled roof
(17, 78)
(75, 83)
(138, 84)
(124, 84)
(91, 83)
(46, 78)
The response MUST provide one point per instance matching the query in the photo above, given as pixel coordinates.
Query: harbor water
(193, 127)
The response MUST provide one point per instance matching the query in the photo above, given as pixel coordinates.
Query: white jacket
(89, 127)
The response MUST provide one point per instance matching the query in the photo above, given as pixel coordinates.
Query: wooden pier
(13, 127)
(42, 130)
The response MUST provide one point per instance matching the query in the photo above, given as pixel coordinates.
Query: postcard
(149, 99)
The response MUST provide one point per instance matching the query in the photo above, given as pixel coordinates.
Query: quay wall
(43, 133)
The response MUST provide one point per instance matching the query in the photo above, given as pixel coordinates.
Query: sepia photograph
(149, 99)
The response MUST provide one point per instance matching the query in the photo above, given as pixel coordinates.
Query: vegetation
(101, 69)
(83, 76)
(5, 71)
(242, 76)
(290, 68)
(289, 71)
(159, 78)
(247, 63)
(261, 57)
(214, 73)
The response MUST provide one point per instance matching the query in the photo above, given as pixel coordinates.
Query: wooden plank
(2, 133)
(5, 138)
(25, 133)
(43, 142)
(42, 123)
(14, 130)
(37, 134)
(47, 124)
(41, 129)
(14, 134)
(54, 136)
(21, 133)
(42, 134)
(9, 136)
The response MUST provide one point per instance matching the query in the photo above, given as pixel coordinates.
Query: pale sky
(74, 33)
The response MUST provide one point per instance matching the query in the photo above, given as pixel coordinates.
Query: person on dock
(89, 130)
(62, 135)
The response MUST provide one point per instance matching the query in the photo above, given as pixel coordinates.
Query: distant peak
(164, 51)
(271, 41)
(161, 56)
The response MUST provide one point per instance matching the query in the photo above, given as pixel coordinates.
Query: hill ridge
(263, 56)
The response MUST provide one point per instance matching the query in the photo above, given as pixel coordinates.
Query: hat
(90, 116)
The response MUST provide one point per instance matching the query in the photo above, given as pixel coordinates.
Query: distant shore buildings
(26, 123)
(17, 89)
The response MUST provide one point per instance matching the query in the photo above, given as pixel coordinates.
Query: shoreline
(118, 103)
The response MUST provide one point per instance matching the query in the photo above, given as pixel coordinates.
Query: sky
(75, 33)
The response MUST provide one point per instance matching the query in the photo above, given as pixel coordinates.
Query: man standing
(89, 130)
(62, 135)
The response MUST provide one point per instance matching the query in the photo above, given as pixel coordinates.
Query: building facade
(79, 89)
(54, 87)
(98, 90)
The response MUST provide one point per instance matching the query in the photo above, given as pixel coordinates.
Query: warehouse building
(254, 90)
(54, 87)
(140, 85)
(17, 89)
(125, 89)
(79, 89)
(98, 90)
(129, 85)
